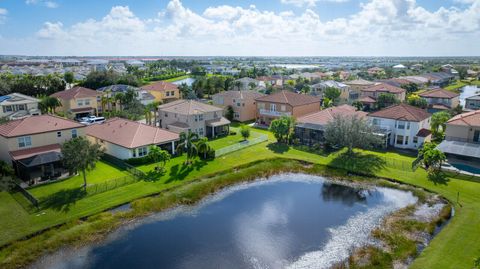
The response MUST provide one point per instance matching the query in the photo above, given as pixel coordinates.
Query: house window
(236, 115)
(87, 102)
(134, 153)
(200, 117)
(21, 107)
(406, 140)
(172, 93)
(282, 108)
(142, 152)
(7, 109)
(408, 125)
(168, 93)
(400, 125)
(80, 103)
(476, 136)
(59, 134)
(166, 115)
(238, 104)
(261, 105)
(399, 139)
(24, 142)
(243, 104)
(200, 132)
(74, 133)
(376, 122)
(273, 107)
(415, 139)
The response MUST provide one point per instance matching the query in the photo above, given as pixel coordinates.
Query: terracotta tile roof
(367, 100)
(466, 119)
(424, 132)
(360, 82)
(241, 94)
(75, 92)
(439, 93)
(286, 97)
(383, 87)
(188, 107)
(36, 125)
(441, 107)
(130, 134)
(402, 112)
(26, 153)
(322, 117)
(160, 86)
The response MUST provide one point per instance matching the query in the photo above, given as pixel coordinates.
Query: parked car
(82, 119)
(94, 120)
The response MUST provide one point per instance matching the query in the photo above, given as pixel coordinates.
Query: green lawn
(455, 247)
(177, 78)
(461, 83)
(232, 139)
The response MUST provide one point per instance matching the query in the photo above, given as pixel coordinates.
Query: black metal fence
(24, 198)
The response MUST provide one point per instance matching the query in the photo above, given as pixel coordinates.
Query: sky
(240, 28)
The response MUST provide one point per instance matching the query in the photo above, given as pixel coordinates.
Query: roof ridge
(135, 136)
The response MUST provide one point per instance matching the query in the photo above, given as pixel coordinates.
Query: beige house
(440, 99)
(462, 136)
(16, 106)
(33, 145)
(193, 116)
(382, 88)
(125, 139)
(79, 101)
(285, 103)
(163, 91)
(242, 102)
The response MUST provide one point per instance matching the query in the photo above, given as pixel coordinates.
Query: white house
(17, 106)
(403, 126)
(127, 139)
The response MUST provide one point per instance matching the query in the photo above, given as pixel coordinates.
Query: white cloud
(46, 3)
(3, 15)
(309, 3)
(381, 27)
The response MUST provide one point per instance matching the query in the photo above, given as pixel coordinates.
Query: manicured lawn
(455, 247)
(177, 78)
(232, 139)
(460, 83)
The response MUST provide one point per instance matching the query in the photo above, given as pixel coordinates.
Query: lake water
(296, 66)
(288, 221)
(468, 91)
(188, 81)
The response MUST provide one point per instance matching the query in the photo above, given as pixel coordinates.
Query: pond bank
(95, 228)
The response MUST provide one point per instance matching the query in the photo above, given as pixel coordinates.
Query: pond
(468, 91)
(188, 81)
(288, 221)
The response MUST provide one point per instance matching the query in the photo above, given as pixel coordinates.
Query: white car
(94, 120)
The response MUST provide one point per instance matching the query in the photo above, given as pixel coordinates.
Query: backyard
(443, 252)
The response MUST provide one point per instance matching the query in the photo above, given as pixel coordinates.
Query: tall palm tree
(155, 112)
(104, 101)
(148, 114)
(119, 98)
(188, 146)
(203, 147)
(53, 103)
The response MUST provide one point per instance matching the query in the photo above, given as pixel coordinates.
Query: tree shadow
(279, 148)
(154, 175)
(359, 163)
(180, 172)
(438, 177)
(62, 200)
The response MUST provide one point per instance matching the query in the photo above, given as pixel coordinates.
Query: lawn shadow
(438, 177)
(62, 200)
(154, 174)
(279, 148)
(181, 171)
(358, 162)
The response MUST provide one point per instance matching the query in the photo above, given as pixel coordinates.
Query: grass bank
(177, 78)
(461, 83)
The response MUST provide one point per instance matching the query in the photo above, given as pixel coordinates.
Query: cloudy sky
(242, 27)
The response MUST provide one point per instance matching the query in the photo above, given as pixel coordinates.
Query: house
(358, 85)
(126, 139)
(246, 83)
(310, 128)
(462, 136)
(440, 99)
(472, 102)
(16, 106)
(163, 91)
(370, 94)
(285, 103)
(345, 94)
(143, 96)
(403, 126)
(79, 101)
(193, 116)
(33, 145)
(417, 80)
(439, 79)
(265, 81)
(399, 67)
(375, 71)
(242, 102)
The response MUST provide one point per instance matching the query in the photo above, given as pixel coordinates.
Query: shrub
(139, 161)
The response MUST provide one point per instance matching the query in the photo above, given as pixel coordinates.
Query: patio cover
(460, 148)
(41, 159)
(217, 122)
(30, 152)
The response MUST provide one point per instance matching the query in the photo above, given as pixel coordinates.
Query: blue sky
(31, 26)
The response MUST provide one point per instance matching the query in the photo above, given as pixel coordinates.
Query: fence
(120, 163)
(241, 145)
(28, 199)
(111, 184)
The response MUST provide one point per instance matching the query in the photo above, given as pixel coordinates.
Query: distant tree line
(31, 85)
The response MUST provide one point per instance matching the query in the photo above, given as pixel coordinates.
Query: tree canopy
(283, 128)
(386, 99)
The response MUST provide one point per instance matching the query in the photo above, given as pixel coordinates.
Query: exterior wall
(265, 115)
(461, 133)
(38, 140)
(408, 134)
(195, 124)
(245, 112)
(299, 111)
(29, 107)
(161, 96)
(68, 105)
(452, 103)
(399, 96)
(472, 104)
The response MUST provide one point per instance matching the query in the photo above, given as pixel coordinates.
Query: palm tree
(159, 155)
(119, 98)
(187, 145)
(148, 114)
(155, 112)
(104, 101)
(53, 103)
(203, 147)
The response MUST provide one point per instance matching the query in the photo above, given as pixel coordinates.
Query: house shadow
(438, 178)
(181, 171)
(359, 162)
(63, 199)
(278, 148)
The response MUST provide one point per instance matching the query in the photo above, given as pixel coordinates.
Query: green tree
(203, 147)
(68, 77)
(158, 156)
(415, 100)
(386, 99)
(48, 104)
(229, 114)
(410, 87)
(79, 154)
(283, 128)
(187, 145)
(351, 132)
(245, 132)
(327, 102)
(6, 176)
(431, 157)
(438, 120)
(358, 105)
(332, 94)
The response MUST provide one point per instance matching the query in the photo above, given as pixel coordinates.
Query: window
(25, 141)
(243, 104)
(79, 102)
(415, 139)
(172, 93)
(238, 104)
(168, 93)
(87, 102)
(142, 152)
(134, 153)
(406, 140)
(200, 132)
(400, 125)
(21, 107)
(236, 115)
(399, 139)
(376, 122)
(476, 136)
(7, 109)
(282, 108)
(59, 134)
(273, 107)
(200, 117)
(74, 133)
(175, 115)
(261, 105)
(408, 125)
(166, 115)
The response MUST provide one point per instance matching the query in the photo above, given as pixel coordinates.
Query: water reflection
(344, 194)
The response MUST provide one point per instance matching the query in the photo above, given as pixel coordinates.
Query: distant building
(143, 96)
(16, 106)
(440, 99)
(163, 91)
(345, 93)
(245, 83)
(472, 102)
